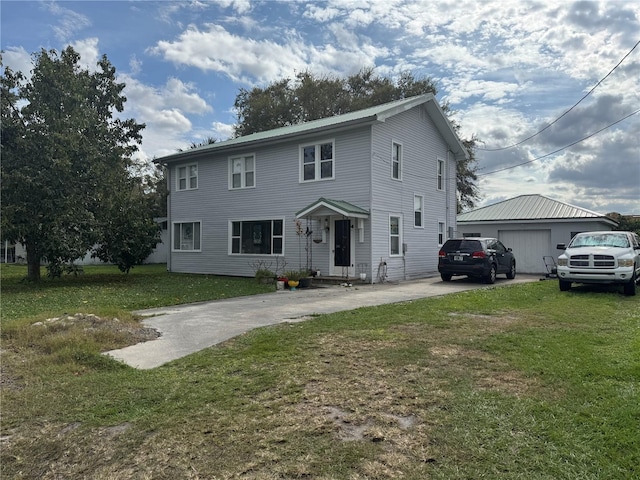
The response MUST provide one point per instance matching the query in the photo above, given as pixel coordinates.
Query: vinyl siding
(362, 176)
(422, 145)
(278, 194)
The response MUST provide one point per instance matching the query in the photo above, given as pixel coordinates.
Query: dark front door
(342, 257)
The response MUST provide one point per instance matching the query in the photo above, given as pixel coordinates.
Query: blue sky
(507, 69)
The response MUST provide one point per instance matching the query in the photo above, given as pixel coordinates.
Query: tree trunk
(33, 262)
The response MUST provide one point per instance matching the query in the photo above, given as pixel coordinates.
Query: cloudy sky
(508, 70)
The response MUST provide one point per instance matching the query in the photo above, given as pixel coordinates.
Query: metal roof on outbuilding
(528, 208)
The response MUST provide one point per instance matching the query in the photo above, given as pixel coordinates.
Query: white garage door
(529, 248)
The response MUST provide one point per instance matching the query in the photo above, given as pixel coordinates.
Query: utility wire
(560, 149)
(574, 106)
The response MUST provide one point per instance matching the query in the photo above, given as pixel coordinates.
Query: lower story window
(186, 236)
(257, 237)
(395, 239)
(441, 233)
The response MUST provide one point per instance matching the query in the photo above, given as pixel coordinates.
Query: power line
(574, 106)
(560, 149)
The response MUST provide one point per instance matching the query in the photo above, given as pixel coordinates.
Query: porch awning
(325, 206)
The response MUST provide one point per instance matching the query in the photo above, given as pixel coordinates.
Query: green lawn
(521, 381)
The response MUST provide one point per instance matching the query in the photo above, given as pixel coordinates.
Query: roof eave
(248, 143)
(446, 130)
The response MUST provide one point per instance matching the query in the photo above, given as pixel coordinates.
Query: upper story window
(396, 161)
(395, 235)
(441, 174)
(316, 161)
(257, 237)
(242, 171)
(188, 177)
(418, 202)
(186, 236)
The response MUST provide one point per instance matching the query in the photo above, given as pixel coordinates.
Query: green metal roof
(366, 116)
(335, 206)
(529, 208)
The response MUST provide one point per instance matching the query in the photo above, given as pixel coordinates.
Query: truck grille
(593, 261)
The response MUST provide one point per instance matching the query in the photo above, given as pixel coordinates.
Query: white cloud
(240, 6)
(223, 131)
(260, 61)
(18, 59)
(70, 22)
(88, 51)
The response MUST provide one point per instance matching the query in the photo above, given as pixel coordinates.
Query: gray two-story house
(369, 192)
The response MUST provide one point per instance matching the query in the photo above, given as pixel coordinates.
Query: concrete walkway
(192, 327)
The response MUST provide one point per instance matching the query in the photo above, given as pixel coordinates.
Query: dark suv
(475, 257)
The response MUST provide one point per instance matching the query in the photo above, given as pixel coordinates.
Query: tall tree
(64, 154)
(310, 97)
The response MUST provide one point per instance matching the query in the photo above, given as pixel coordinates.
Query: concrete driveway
(192, 327)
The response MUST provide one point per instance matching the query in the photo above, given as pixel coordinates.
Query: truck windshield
(600, 240)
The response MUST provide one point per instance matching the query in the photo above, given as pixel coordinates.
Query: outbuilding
(532, 226)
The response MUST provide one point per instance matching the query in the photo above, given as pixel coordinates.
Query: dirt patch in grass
(78, 335)
(131, 333)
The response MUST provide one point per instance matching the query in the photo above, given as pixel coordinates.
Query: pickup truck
(609, 257)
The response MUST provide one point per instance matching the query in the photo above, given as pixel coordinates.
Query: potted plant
(293, 278)
(305, 278)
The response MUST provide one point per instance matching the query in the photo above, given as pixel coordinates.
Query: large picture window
(257, 237)
(316, 162)
(186, 236)
(187, 177)
(395, 235)
(242, 171)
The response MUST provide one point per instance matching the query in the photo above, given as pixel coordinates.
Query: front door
(342, 264)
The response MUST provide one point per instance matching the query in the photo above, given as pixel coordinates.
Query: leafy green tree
(626, 223)
(311, 97)
(128, 237)
(64, 154)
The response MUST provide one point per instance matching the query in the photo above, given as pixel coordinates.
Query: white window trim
(399, 217)
(400, 161)
(318, 163)
(253, 219)
(244, 172)
(173, 232)
(421, 211)
(441, 177)
(188, 186)
(444, 232)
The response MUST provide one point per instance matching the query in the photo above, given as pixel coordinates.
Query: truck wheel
(630, 287)
(564, 285)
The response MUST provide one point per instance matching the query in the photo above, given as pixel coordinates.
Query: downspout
(371, 166)
(169, 225)
(448, 197)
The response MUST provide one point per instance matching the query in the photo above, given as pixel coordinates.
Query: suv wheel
(630, 287)
(491, 278)
(564, 285)
(511, 274)
(445, 277)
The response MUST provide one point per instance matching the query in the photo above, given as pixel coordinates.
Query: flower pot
(305, 282)
(279, 285)
(293, 284)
